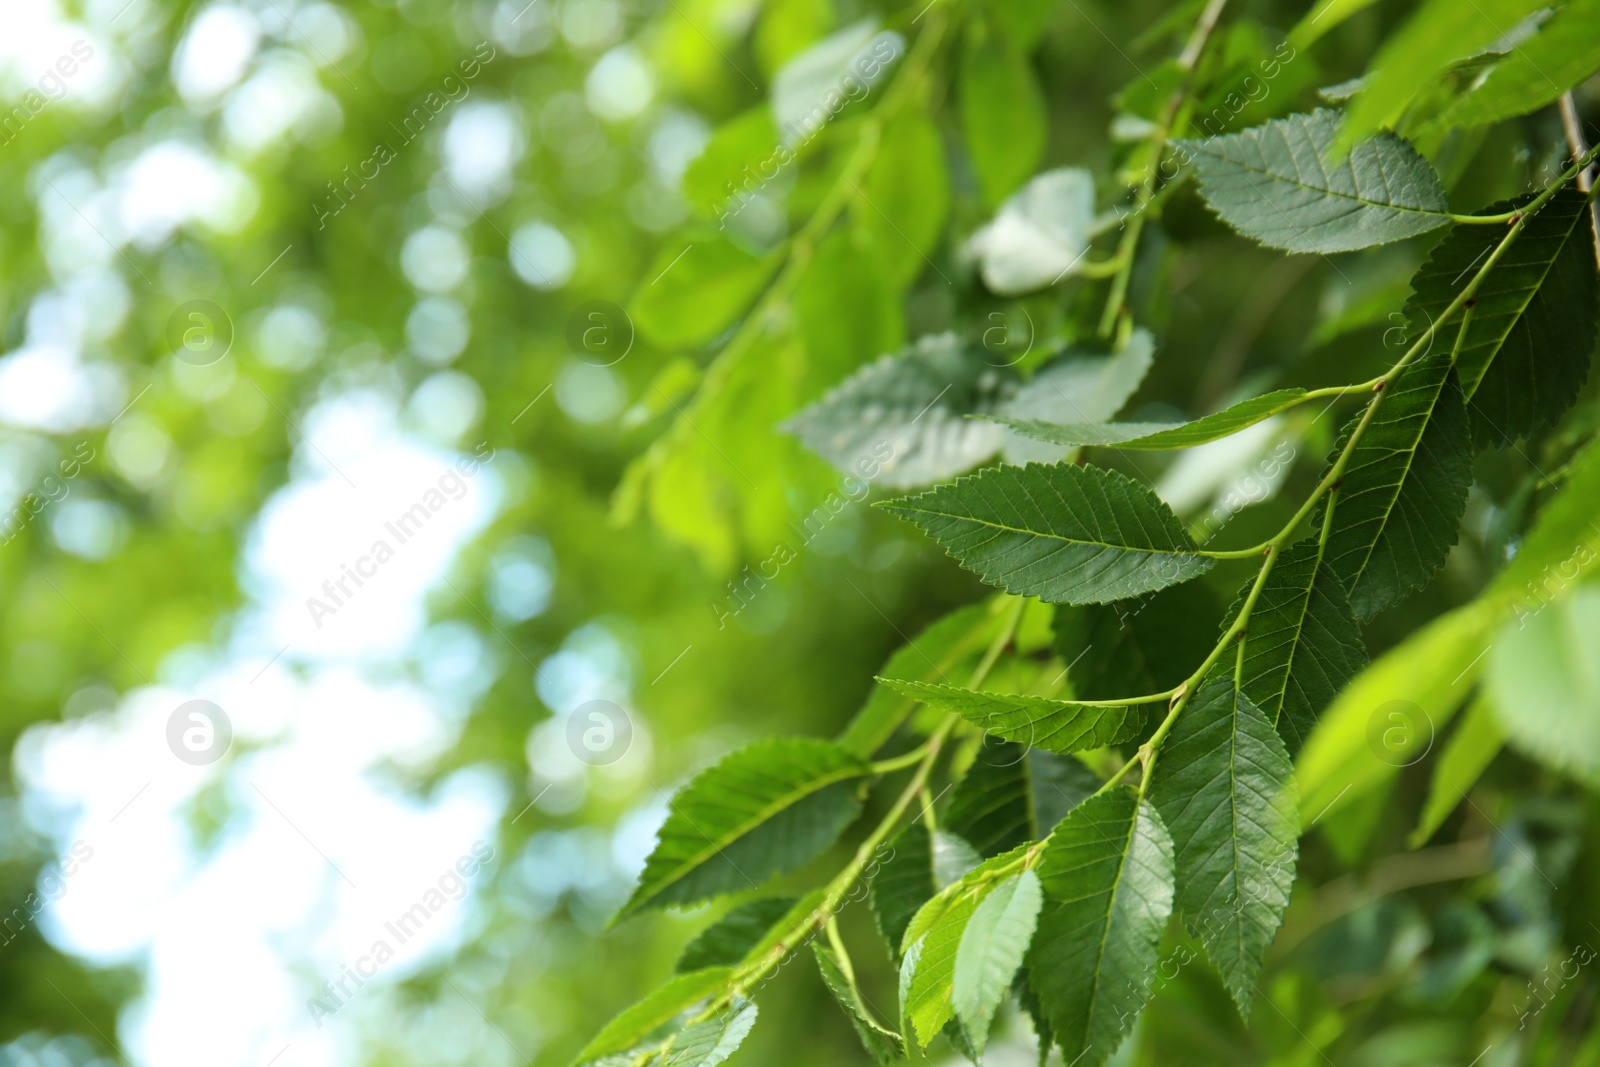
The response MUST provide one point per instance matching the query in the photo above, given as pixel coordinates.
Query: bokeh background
(274, 272)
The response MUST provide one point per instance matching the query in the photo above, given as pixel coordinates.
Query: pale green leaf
(1002, 111)
(1543, 683)
(1038, 722)
(1278, 184)
(1156, 436)
(1225, 789)
(1471, 748)
(1077, 385)
(699, 287)
(632, 1026)
(810, 89)
(763, 810)
(745, 141)
(1107, 875)
(1303, 643)
(1534, 319)
(1396, 512)
(1439, 33)
(883, 1045)
(901, 421)
(1563, 53)
(991, 950)
(1040, 235)
(709, 1043)
(730, 939)
(1080, 535)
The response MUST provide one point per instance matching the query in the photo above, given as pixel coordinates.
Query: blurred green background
(270, 269)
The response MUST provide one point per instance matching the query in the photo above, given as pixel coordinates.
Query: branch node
(1377, 387)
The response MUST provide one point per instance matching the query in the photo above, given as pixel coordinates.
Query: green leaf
(1002, 110)
(1083, 386)
(906, 195)
(1532, 332)
(1303, 643)
(846, 310)
(1404, 491)
(810, 89)
(901, 421)
(1107, 877)
(883, 1045)
(991, 950)
(1468, 753)
(1323, 17)
(1423, 679)
(936, 932)
(902, 883)
(713, 1041)
(698, 287)
(1040, 235)
(1039, 722)
(1012, 794)
(1079, 535)
(628, 1029)
(1543, 682)
(1156, 436)
(1564, 52)
(1225, 789)
(1276, 183)
(714, 181)
(763, 810)
(1136, 647)
(730, 939)
(1564, 538)
(786, 29)
(1414, 56)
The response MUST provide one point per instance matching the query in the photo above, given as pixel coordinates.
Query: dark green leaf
(764, 810)
(1303, 643)
(903, 882)
(1533, 325)
(1225, 789)
(883, 1045)
(730, 939)
(1080, 535)
(1155, 436)
(1039, 722)
(1405, 489)
(1012, 794)
(1135, 647)
(991, 950)
(1107, 877)
(1002, 111)
(635, 1024)
(1277, 184)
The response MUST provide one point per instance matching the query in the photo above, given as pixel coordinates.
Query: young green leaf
(991, 950)
(635, 1024)
(1107, 877)
(1002, 110)
(1532, 332)
(709, 1043)
(730, 939)
(1012, 794)
(1225, 789)
(883, 1045)
(1277, 184)
(1303, 643)
(936, 929)
(1040, 235)
(906, 195)
(1405, 489)
(763, 810)
(699, 291)
(1544, 684)
(1039, 722)
(901, 421)
(1157, 436)
(1439, 33)
(1078, 535)
(1564, 52)
(1471, 748)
